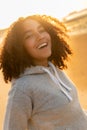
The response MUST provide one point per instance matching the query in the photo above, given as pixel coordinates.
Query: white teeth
(42, 45)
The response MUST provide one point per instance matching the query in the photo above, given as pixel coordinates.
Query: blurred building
(2, 32)
(76, 22)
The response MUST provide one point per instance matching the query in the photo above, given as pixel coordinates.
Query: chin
(46, 56)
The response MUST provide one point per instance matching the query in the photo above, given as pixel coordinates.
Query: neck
(40, 63)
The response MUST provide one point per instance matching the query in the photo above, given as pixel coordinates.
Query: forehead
(31, 24)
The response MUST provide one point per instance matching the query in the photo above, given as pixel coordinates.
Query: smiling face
(37, 42)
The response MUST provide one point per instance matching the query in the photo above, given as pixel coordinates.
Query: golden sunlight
(12, 10)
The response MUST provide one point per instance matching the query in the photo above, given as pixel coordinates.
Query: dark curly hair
(14, 58)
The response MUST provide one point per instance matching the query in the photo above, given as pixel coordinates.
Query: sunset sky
(10, 10)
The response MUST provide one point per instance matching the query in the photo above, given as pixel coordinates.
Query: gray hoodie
(44, 98)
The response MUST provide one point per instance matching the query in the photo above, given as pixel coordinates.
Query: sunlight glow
(12, 10)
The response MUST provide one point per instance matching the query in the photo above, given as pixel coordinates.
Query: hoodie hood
(35, 70)
(52, 71)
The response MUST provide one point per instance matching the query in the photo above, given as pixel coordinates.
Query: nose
(39, 35)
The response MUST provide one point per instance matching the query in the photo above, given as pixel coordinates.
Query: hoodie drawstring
(58, 81)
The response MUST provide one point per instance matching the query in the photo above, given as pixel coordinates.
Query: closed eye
(42, 30)
(28, 36)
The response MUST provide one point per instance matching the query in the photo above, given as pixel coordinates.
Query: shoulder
(62, 73)
(22, 84)
(64, 77)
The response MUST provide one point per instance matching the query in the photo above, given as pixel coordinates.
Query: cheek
(28, 45)
(49, 37)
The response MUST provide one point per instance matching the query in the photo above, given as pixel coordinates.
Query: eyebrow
(30, 30)
(27, 31)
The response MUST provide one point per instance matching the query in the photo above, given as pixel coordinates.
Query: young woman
(42, 97)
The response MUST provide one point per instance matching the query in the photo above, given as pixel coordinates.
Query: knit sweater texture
(35, 102)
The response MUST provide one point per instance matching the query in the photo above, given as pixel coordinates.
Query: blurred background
(73, 13)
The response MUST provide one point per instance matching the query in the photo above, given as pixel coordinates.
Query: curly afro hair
(14, 58)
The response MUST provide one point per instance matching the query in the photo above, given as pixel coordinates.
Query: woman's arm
(18, 111)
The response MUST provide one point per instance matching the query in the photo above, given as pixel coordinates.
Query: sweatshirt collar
(35, 70)
(54, 76)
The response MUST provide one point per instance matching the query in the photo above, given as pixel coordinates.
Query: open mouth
(43, 45)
